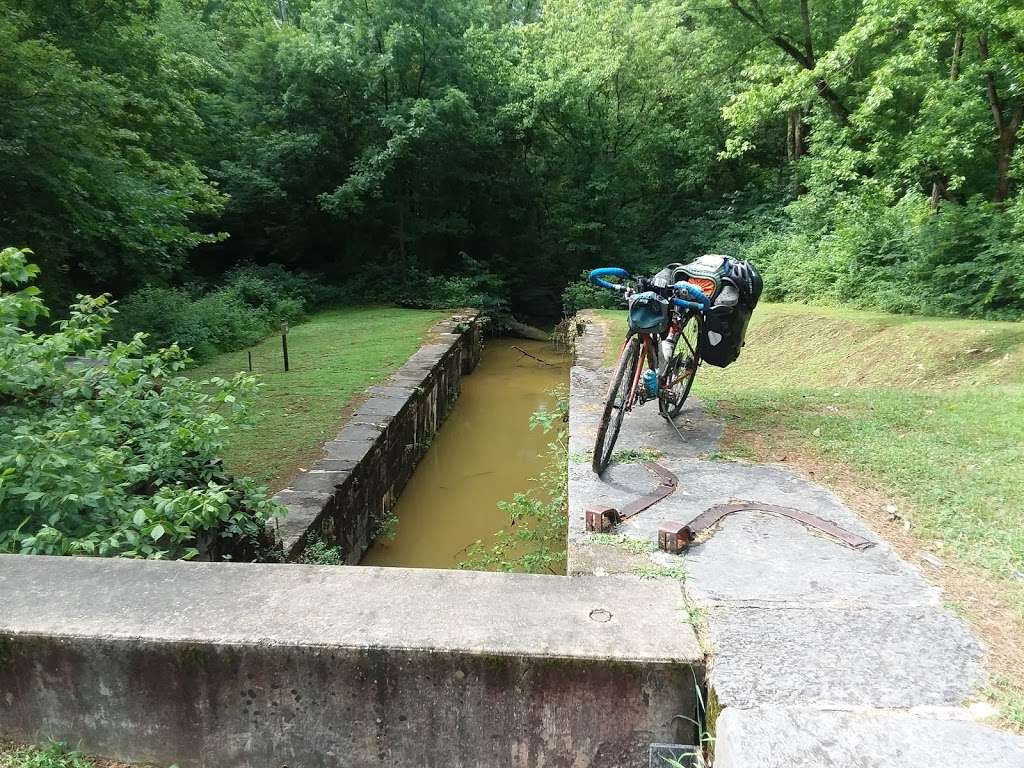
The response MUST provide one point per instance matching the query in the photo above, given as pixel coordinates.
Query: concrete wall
(346, 495)
(224, 665)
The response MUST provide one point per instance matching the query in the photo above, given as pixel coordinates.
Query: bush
(990, 281)
(269, 284)
(105, 449)
(582, 294)
(248, 306)
(476, 288)
(872, 249)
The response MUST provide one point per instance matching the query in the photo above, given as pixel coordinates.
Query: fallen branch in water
(524, 352)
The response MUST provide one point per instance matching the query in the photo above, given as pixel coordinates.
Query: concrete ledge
(380, 446)
(240, 664)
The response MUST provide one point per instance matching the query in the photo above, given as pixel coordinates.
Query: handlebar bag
(648, 313)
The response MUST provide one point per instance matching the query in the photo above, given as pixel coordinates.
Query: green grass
(52, 756)
(932, 410)
(631, 545)
(677, 572)
(333, 357)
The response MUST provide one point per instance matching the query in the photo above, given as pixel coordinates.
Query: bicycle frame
(652, 353)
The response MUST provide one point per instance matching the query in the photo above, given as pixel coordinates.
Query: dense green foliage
(861, 151)
(105, 448)
(240, 312)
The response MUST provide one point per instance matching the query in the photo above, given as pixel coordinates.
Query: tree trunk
(799, 135)
(525, 331)
(1006, 129)
(941, 183)
(790, 148)
(1007, 142)
(400, 235)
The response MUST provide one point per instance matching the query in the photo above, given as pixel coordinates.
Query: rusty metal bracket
(675, 537)
(600, 519)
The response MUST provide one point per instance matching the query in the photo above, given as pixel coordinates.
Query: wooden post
(284, 343)
(250, 361)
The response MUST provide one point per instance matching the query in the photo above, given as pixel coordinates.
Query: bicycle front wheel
(681, 370)
(619, 393)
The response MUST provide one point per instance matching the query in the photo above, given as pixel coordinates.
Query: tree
(96, 141)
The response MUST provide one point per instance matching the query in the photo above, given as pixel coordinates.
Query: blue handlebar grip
(694, 292)
(688, 304)
(596, 275)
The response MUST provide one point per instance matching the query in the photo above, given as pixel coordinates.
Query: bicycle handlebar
(699, 300)
(596, 275)
(695, 293)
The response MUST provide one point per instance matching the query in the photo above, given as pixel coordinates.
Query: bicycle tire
(684, 353)
(615, 405)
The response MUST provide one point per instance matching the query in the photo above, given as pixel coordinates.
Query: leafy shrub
(240, 313)
(733, 226)
(475, 287)
(582, 294)
(990, 280)
(319, 552)
(872, 249)
(269, 284)
(105, 449)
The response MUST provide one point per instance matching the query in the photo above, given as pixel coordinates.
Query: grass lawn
(926, 414)
(333, 357)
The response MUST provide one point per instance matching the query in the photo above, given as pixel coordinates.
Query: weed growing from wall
(534, 540)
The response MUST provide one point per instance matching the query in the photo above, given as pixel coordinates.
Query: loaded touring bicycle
(685, 315)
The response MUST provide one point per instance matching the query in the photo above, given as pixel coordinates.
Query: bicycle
(657, 325)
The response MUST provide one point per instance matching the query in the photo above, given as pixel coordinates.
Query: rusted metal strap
(667, 483)
(604, 518)
(677, 537)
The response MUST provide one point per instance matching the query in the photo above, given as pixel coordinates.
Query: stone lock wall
(346, 495)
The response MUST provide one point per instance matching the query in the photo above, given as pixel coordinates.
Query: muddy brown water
(484, 453)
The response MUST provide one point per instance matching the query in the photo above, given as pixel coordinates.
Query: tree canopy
(859, 151)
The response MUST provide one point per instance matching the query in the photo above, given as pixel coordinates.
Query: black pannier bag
(734, 288)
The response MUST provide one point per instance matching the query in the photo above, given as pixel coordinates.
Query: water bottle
(651, 383)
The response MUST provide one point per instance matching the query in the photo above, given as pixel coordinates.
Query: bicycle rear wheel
(681, 371)
(615, 406)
